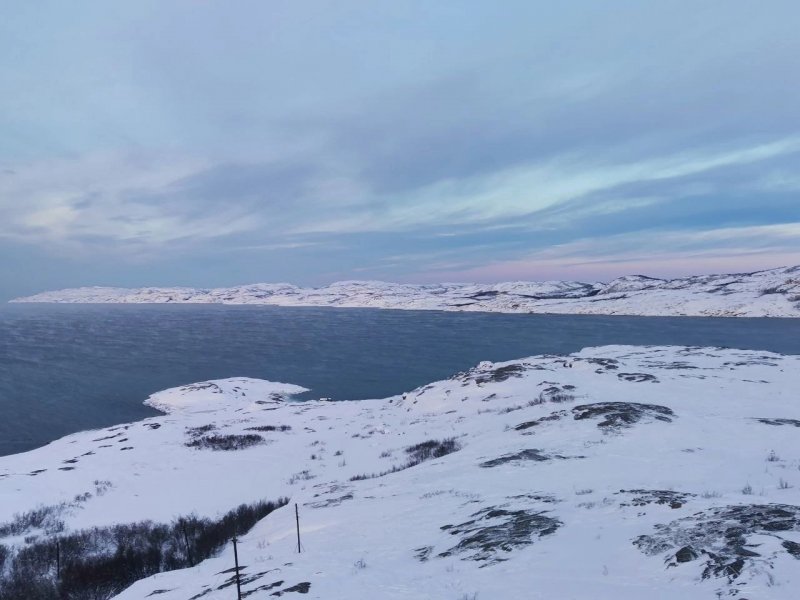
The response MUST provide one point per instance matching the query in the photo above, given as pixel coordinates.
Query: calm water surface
(68, 368)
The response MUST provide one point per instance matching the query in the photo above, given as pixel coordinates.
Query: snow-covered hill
(773, 293)
(617, 472)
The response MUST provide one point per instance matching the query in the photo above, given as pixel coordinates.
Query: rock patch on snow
(687, 488)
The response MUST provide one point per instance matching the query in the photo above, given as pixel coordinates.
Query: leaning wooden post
(236, 562)
(297, 518)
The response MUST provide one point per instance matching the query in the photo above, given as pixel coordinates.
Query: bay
(67, 368)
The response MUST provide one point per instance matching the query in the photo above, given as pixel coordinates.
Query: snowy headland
(615, 472)
(772, 293)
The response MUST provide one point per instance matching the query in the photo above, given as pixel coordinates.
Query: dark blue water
(68, 368)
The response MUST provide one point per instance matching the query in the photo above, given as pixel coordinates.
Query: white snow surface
(210, 396)
(549, 519)
(772, 293)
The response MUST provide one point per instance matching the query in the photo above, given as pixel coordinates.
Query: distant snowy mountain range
(772, 293)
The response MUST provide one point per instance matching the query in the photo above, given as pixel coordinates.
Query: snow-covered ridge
(772, 293)
(211, 396)
(616, 472)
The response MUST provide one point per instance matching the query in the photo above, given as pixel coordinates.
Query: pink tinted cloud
(606, 269)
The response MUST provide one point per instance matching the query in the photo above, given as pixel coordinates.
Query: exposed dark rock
(536, 422)
(765, 361)
(329, 501)
(618, 415)
(483, 295)
(300, 588)
(546, 498)
(616, 296)
(645, 497)
(638, 377)
(778, 422)
(201, 594)
(262, 588)
(108, 437)
(686, 554)
(792, 548)
(205, 385)
(499, 374)
(721, 536)
(677, 365)
(522, 456)
(609, 364)
(343, 491)
(493, 531)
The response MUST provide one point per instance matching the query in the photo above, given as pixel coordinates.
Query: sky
(212, 143)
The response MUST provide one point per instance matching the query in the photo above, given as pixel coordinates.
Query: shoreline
(68, 392)
(411, 309)
(555, 436)
(771, 293)
(152, 406)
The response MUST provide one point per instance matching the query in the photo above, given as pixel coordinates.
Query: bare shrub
(303, 475)
(270, 428)
(417, 454)
(45, 518)
(102, 561)
(226, 442)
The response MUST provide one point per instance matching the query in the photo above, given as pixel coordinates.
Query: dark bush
(97, 563)
(200, 430)
(226, 442)
(431, 449)
(270, 428)
(417, 454)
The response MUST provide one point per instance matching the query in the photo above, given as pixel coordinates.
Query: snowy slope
(774, 293)
(617, 472)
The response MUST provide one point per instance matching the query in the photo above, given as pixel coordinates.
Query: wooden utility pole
(236, 562)
(297, 518)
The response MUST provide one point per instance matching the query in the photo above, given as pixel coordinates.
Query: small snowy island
(772, 293)
(615, 472)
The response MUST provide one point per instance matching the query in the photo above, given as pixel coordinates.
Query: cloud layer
(210, 144)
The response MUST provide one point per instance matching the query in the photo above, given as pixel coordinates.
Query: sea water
(66, 368)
